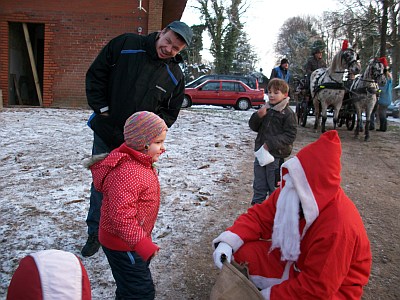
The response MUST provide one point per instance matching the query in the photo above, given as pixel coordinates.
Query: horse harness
(334, 84)
(372, 87)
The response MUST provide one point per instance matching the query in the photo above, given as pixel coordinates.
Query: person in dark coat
(132, 73)
(315, 61)
(282, 71)
(276, 127)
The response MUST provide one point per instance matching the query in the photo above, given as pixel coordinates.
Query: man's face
(285, 66)
(318, 55)
(168, 44)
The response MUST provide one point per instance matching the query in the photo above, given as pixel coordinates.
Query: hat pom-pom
(345, 45)
(383, 60)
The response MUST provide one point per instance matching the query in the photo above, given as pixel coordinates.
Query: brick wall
(73, 38)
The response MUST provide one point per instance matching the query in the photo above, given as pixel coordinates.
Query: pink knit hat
(142, 128)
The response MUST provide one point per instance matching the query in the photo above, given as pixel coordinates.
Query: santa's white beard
(285, 234)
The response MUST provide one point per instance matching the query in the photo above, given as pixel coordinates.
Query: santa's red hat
(50, 274)
(305, 181)
(383, 60)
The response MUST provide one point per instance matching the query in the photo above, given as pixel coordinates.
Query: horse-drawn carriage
(305, 107)
(329, 92)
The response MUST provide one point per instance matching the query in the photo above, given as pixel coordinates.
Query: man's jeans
(93, 217)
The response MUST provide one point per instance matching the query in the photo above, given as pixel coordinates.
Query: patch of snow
(45, 188)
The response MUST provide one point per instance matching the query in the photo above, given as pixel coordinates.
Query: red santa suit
(307, 241)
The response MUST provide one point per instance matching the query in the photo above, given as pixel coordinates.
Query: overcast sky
(263, 20)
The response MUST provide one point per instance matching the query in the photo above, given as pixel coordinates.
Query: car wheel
(243, 104)
(185, 102)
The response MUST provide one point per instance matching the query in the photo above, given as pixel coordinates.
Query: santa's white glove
(263, 156)
(223, 249)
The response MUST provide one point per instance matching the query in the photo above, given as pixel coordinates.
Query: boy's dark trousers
(264, 180)
(132, 275)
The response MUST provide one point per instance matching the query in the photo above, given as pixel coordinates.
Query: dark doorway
(22, 84)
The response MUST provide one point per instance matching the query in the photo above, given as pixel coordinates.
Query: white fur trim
(60, 274)
(265, 282)
(230, 238)
(303, 188)
(266, 293)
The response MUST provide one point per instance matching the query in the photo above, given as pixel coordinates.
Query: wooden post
(33, 65)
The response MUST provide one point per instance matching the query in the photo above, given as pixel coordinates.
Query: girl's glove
(223, 249)
(263, 156)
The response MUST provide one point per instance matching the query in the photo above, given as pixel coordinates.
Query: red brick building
(46, 47)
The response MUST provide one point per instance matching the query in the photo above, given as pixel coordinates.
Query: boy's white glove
(263, 156)
(222, 249)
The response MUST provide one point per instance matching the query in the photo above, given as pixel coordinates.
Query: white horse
(363, 91)
(326, 85)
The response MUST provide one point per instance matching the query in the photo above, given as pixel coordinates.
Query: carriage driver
(313, 62)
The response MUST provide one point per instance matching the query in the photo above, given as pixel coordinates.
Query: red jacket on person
(131, 200)
(334, 261)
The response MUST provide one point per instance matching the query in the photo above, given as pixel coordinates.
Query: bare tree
(295, 40)
(374, 25)
(224, 27)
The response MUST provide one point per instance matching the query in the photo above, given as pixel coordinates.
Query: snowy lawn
(44, 189)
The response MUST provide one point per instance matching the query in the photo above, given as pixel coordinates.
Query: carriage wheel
(299, 113)
(350, 121)
(341, 119)
(304, 118)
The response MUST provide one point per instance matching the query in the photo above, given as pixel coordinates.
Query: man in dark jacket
(282, 71)
(313, 63)
(132, 73)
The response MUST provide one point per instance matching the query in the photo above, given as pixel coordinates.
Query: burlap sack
(233, 284)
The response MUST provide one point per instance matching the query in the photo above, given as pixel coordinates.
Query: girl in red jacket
(131, 199)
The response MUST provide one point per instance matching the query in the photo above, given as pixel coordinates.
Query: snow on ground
(44, 189)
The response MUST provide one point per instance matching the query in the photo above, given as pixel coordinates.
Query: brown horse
(326, 85)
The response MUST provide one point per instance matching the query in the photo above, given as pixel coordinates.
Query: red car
(224, 93)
